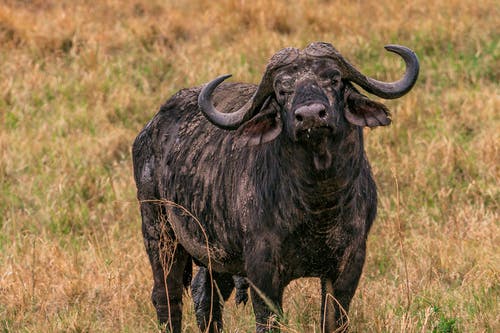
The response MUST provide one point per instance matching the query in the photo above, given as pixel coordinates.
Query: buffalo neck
(291, 172)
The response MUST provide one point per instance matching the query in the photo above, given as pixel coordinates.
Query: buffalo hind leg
(241, 286)
(207, 300)
(336, 295)
(171, 266)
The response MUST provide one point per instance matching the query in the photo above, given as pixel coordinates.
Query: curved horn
(224, 120)
(389, 90)
(233, 120)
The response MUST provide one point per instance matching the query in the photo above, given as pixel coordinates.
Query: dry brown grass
(80, 78)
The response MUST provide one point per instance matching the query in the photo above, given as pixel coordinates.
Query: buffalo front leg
(170, 264)
(267, 286)
(336, 295)
(210, 291)
(267, 302)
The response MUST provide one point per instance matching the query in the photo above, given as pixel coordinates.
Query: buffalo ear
(362, 111)
(264, 127)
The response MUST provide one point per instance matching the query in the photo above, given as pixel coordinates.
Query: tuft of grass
(79, 80)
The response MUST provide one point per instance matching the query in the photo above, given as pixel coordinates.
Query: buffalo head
(308, 94)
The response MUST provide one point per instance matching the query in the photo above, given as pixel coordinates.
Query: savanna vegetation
(79, 79)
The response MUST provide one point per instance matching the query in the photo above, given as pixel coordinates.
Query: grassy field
(79, 79)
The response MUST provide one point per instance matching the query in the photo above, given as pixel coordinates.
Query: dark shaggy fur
(299, 203)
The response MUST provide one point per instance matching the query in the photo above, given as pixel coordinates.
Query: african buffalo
(269, 182)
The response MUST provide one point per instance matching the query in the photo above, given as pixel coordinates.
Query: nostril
(322, 114)
(298, 117)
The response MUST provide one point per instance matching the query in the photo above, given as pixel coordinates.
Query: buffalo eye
(284, 87)
(283, 92)
(331, 77)
(335, 80)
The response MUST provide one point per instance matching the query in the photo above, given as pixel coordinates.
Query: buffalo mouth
(316, 140)
(314, 134)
